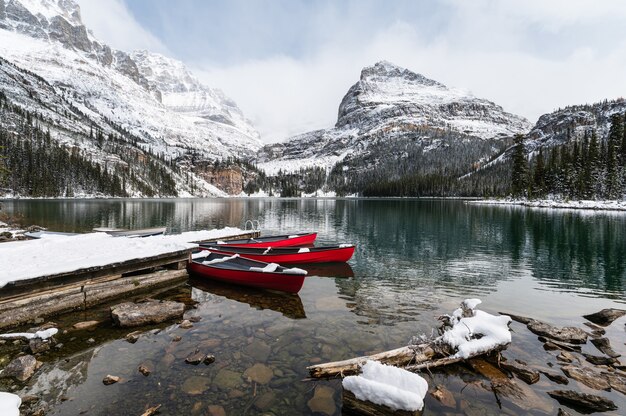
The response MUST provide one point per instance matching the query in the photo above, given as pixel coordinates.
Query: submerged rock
(529, 375)
(587, 376)
(599, 360)
(196, 385)
(557, 378)
(604, 345)
(259, 373)
(569, 334)
(322, 400)
(444, 396)
(584, 401)
(150, 312)
(85, 325)
(186, 324)
(38, 345)
(606, 316)
(22, 368)
(109, 379)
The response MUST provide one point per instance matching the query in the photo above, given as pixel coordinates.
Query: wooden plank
(75, 298)
(83, 275)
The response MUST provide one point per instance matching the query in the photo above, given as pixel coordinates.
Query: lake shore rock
(152, 311)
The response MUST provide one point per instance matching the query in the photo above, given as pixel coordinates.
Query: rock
(566, 357)
(216, 410)
(569, 334)
(604, 345)
(176, 338)
(186, 324)
(265, 401)
(22, 368)
(322, 400)
(195, 385)
(228, 379)
(587, 376)
(517, 318)
(596, 329)
(554, 344)
(530, 376)
(38, 345)
(195, 319)
(557, 378)
(562, 413)
(587, 402)
(150, 312)
(209, 359)
(195, 358)
(600, 360)
(606, 316)
(617, 381)
(109, 379)
(259, 373)
(151, 410)
(144, 369)
(258, 350)
(133, 336)
(444, 396)
(85, 325)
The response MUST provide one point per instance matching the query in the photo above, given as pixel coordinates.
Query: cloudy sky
(288, 63)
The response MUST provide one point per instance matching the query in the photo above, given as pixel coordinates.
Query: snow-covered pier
(57, 274)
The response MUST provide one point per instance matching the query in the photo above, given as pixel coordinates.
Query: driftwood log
(400, 357)
(412, 357)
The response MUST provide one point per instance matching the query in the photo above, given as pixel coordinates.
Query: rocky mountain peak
(383, 71)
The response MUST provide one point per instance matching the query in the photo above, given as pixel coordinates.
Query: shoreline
(591, 205)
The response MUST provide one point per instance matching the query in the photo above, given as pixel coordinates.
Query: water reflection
(288, 304)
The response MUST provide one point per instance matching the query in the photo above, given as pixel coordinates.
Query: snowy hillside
(152, 98)
(387, 104)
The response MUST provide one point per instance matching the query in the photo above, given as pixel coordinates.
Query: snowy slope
(391, 104)
(152, 97)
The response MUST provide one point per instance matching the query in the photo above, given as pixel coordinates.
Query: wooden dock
(44, 296)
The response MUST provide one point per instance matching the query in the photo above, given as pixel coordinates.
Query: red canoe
(300, 239)
(288, 255)
(242, 271)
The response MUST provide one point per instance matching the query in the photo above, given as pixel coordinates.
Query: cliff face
(229, 180)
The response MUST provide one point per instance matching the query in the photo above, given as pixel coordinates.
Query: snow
(222, 260)
(9, 404)
(60, 254)
(390, 386)
(476, 334)
(602, 205)
(295, 270)
(269, 268)
(45, 334)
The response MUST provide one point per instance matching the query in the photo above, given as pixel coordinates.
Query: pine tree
(616, 133)
(539, 177)
(519, 174)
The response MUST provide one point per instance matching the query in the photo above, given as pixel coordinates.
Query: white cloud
(530, 56)
(488, 47)
(113, 23)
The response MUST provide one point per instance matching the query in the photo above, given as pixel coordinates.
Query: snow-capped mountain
(388, 104)
(153, 98)
(573, 122)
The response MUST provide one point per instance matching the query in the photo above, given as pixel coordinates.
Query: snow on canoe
(238, 270)
(288, 255)
(299, 239)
